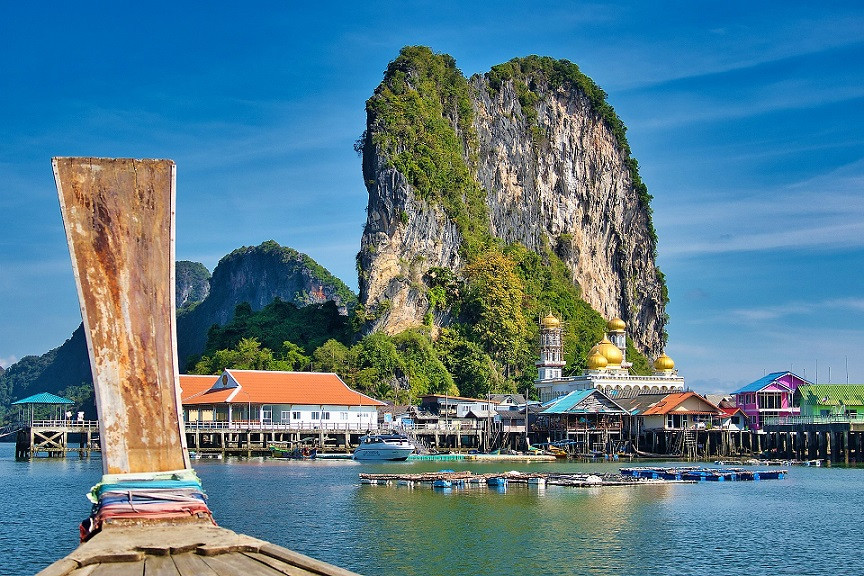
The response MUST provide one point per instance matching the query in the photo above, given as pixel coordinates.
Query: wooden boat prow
(119, 220)
(185, 550)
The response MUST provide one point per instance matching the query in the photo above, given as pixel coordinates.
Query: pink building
(769, 396)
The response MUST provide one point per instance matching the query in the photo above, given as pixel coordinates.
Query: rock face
(555, 175)
(193, 283)
(257, 275)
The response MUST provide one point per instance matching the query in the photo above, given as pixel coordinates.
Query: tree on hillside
(471, 368)
(250, 355)
(332, 356)
(493, 308)
(423, 370)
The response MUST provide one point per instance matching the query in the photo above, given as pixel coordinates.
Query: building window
(770, 401)
(286, 416)
(343, 416)
(316, 415)
(295, 415)
(325, 415)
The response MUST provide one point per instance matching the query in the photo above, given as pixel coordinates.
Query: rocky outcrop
(257, 275)
(557, 173)
(192, 280)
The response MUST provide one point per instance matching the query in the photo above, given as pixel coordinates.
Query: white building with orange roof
(287, 400)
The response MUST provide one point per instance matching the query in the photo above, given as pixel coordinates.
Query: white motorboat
(384, 447)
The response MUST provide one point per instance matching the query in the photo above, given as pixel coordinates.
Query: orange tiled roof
(265, 387)
(193, 384)
(671, 402)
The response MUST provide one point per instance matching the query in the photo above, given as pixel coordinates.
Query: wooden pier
(56, 438)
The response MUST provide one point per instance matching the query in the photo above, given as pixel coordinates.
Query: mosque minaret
(607, 366)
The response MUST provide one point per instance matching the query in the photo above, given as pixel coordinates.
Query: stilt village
(150, 512)
(606, 412)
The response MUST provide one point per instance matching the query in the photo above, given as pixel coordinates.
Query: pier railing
(242, 426)
(59, 424)
(797, 420)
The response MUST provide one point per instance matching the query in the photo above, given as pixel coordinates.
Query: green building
(831, 400)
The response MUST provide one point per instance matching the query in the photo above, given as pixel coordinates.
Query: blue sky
(747, 120)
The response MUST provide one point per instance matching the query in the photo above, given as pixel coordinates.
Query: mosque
(608, 369)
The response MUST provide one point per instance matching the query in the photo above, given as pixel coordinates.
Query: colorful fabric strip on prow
(151, 496)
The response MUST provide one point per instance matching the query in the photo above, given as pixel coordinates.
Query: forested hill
(257, 275)
(249, 276)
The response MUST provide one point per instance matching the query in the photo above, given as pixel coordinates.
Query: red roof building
(243, 398)
(680, 411)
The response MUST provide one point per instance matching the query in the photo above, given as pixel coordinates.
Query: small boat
(442, 483)
(384, 447)
(304, 453)
(497, 482)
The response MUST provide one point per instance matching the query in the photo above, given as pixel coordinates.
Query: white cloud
(7, 361)
(783, 217)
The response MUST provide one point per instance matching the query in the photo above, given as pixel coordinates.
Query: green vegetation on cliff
(420, 119)
(308, 327)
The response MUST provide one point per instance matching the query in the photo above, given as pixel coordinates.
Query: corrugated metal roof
(44, 398)
(266, 387)
(761, 383)
(637, 404)
(832, 394)
(570, 404)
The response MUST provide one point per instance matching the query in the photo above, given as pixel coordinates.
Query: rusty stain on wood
(118, 215)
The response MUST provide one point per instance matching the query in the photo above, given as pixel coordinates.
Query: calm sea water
(809, 523)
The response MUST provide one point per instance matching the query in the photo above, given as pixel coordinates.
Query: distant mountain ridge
(253, 274)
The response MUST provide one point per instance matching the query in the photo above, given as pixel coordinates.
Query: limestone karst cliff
(528, 153)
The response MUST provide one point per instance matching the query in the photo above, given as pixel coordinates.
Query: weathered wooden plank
(238, 563)
(119, 569)
(118, 215)
(303, 561)
(190, 564)
(160, 566)
(282, 567)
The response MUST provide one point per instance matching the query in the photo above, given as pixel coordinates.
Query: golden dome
(616, 325)
(551, 321)
(664, 363)
(596, 360)
(613, 354)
